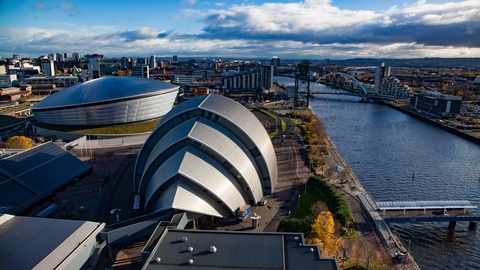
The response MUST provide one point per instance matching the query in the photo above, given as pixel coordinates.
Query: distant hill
(414, 62)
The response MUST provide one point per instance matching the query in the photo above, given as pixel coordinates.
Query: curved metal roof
(232, 115)
(104, 89)
(216, 141)
(216, 149)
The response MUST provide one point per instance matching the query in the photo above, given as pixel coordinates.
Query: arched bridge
(362, 93)
(336, 80)
(359, 91)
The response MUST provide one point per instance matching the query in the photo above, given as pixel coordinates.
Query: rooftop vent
(311, 250)
(184, 239)
(213, 249)
(190, 261)
(190, 249)
(158, 260)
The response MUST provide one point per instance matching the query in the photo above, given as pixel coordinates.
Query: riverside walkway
(355, 189)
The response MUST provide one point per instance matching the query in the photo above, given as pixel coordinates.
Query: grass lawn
(114, 129)
(306, 200)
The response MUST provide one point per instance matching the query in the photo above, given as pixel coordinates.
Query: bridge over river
(428, 211)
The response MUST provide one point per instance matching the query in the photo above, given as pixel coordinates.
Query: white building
(182, 78)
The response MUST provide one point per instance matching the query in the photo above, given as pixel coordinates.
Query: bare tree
(329, 173)
(343, 247)
(317, 208)
(343, 175)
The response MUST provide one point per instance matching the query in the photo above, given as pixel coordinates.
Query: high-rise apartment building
(275, 61)
(152, 63)
(175, 58)
(125, 62)
(256, 80)
(60, 57)
(266, 77)
(76, 56)
(382, 72)
(142, 61)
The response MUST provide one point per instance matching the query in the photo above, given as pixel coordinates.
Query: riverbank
(370, 225)
(473, 136)
(373, 228)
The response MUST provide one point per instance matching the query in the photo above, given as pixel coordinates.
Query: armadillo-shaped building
(208, 156)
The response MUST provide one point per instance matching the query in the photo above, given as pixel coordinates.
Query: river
(384, 147)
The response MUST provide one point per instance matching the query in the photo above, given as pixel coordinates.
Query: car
(261, 203)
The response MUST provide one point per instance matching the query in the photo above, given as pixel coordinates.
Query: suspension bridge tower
(302, 84)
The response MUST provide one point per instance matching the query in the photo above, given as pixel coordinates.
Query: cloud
(142, 34)
(321, 22)
(190, 2)
(67, 6)
(40, 5)
(309, 29)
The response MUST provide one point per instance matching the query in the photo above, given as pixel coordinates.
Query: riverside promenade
(370, 225)
(355, 194)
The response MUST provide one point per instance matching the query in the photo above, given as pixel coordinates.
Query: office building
(48, 68)
(8, 80)
(436, 103)
(140, 71)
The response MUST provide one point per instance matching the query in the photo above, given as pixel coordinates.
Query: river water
(384, 147)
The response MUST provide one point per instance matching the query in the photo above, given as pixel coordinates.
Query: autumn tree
(19, 142)
(358, 249)
(323, 226)
(370, 255)
(332, 245)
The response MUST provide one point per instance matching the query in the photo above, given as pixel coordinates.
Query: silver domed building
(209, 156)
(107, 101)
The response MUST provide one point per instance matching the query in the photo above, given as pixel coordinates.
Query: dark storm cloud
(441, 25)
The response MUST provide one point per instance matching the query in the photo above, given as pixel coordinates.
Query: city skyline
(248, 29)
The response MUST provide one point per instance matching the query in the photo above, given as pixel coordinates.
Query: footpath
(371, 225)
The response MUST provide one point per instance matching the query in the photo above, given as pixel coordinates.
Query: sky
(288, 29)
